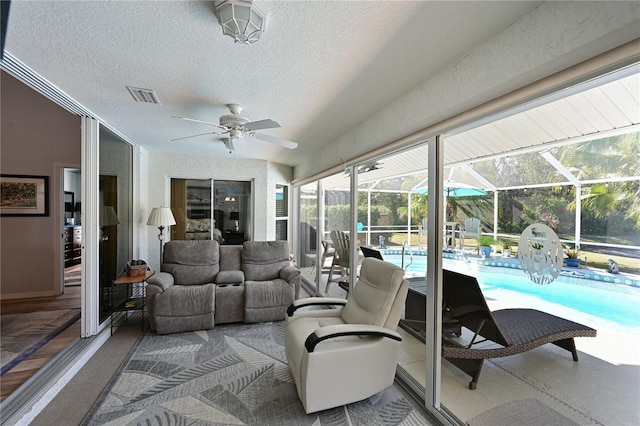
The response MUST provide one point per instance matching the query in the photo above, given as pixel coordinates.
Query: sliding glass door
(115, 193)
(207, 209)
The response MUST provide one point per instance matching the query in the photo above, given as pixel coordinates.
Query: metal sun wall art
(540, 253)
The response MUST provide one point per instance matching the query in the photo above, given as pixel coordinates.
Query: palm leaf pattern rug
(230, 375)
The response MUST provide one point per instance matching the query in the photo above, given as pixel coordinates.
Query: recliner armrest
(288, 272)
(314, 301)
(164, 280)
(338, 330)
(229, 277)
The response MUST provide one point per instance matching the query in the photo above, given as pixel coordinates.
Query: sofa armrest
(288, 272)
(229, 277)
(338, 330)
(164, 280)
(314, 301)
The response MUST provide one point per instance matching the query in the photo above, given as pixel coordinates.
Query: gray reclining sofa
(202, 283)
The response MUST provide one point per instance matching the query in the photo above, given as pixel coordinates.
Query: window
(282, 211)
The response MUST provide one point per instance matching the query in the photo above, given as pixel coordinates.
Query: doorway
(71, 223)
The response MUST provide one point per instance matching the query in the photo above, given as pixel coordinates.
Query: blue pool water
(599, 304)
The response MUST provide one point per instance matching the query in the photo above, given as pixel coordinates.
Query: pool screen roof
(535, 132)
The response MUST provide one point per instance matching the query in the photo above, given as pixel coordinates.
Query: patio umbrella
(454, 189)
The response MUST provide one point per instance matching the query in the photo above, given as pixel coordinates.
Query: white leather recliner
(348, 353)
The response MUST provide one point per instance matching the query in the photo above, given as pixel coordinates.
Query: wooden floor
(30, 366)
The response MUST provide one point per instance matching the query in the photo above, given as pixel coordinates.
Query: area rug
(232, 375)
(524, 412)
(23, 334)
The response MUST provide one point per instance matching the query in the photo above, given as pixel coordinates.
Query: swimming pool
(596, 303)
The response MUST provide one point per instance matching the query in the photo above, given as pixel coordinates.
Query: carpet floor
(232, 374)
(23, 334)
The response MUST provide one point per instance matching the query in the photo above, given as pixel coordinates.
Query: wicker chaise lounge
(513, 331)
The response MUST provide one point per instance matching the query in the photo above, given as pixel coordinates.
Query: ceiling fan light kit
(241, 20)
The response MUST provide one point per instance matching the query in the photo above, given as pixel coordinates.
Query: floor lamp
(161, 217)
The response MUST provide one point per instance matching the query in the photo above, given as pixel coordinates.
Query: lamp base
(161, 238)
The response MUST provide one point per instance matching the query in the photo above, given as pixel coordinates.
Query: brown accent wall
(35, 134)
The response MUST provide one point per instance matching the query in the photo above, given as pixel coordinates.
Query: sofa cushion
(267, 300)
(183, 308)
(263, 260)
(229, 303)
(230, 258)
(192, 262)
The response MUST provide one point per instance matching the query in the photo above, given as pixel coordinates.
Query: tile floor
(603, 387)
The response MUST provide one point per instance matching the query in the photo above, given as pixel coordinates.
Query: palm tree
(614, 156)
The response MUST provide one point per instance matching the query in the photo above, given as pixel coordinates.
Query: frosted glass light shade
(241, 20)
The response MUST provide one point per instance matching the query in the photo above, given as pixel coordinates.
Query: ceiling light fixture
(241, 20)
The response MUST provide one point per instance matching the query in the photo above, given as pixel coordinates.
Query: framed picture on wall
(24, 195)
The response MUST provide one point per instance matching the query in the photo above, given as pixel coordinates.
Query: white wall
(141, 207)
(36, 135)
(552, 37)
(164, 166)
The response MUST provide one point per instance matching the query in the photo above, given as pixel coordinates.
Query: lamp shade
(161, 216)
(234, 216)
(108, 216)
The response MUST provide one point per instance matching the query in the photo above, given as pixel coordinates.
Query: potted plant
(506, 248)
(485, 242)
(573, 257)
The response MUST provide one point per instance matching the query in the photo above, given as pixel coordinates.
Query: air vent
(144, 95)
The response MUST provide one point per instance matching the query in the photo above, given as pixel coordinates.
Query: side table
(136, 292)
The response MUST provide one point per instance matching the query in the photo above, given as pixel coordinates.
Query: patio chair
(512, 331)
(328, 252)
(470, 229)
(340, 241)
(422, 231)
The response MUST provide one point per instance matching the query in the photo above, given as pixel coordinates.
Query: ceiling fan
(236, 126)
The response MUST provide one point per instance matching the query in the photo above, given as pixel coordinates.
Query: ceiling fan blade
(261, 124)
(199, 121)
(193, 136)
(272, 139)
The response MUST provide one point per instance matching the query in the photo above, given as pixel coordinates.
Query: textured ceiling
(321, 68)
